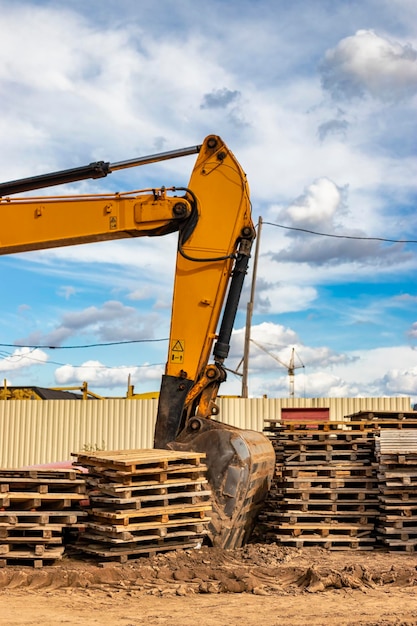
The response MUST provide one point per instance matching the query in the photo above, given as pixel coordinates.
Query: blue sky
(318, 102)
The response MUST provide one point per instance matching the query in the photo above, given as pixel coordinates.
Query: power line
(313, 232)
(13, 359)
(87, 345)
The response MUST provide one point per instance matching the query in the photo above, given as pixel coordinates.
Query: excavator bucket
(240, 469)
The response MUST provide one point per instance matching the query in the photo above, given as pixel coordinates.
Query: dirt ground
(262, 584)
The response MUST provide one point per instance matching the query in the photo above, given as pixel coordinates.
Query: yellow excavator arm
(215, 232)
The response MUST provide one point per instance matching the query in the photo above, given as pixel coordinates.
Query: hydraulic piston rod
(98, 169)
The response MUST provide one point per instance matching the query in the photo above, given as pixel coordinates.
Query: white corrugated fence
(44, 431)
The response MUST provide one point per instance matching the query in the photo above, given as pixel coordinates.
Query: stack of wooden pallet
(325, 489)
(396, 452)
(36, 508)
(144, 501)
(384, 419)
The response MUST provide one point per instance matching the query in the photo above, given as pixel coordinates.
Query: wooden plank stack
(144, 501)
(36, 507)
(325, 489)
(396, 451)
(384, 419)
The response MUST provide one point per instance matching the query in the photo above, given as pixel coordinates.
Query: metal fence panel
(35, 432)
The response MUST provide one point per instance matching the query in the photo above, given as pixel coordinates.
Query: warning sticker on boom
(177, 351)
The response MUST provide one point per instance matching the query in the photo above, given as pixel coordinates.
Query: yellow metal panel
(220, 187)
(51, 221)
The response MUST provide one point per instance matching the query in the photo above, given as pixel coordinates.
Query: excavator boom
(212, 216)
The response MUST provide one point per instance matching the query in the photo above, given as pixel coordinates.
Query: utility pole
(249, 312)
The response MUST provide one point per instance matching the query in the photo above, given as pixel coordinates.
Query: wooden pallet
(384, 418)
(367, 422)
(37, 557)
(402, 509)
(143, 501)
(146, 487)
(341, 470)
(328, 445)
(405, 545)
(29, 529)
(338, 507)
(398, 458)
(34, 534)
(335, 495)
(41, 475)
(322, 529)
(398, 522)
(146, 526)
(304, 483)
(398, 477)
(125, 553)
(65, 517)
(318, 517)
(329, 543)
(31, 500)
(150, 501)
(44, 487)
(152, 475)
(146, 531)
(155, 514)
(138, 461)
(322, 456)
(39, 544)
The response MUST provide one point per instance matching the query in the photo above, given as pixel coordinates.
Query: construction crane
(291, 367)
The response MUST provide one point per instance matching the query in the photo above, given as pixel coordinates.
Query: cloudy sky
(317, 100)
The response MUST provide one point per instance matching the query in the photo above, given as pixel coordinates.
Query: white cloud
(266, 333)
(322, 209)
(274, 296)
(23, 358)
(112, 322)
(320, 371)
(315, 385)
(401, 382)
(318, 206)
(99, 81)
(276, 342)
(367, 63)
(100, 376)
(324, 384)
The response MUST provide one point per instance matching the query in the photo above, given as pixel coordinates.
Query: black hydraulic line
(222, 345)
(98, 169)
